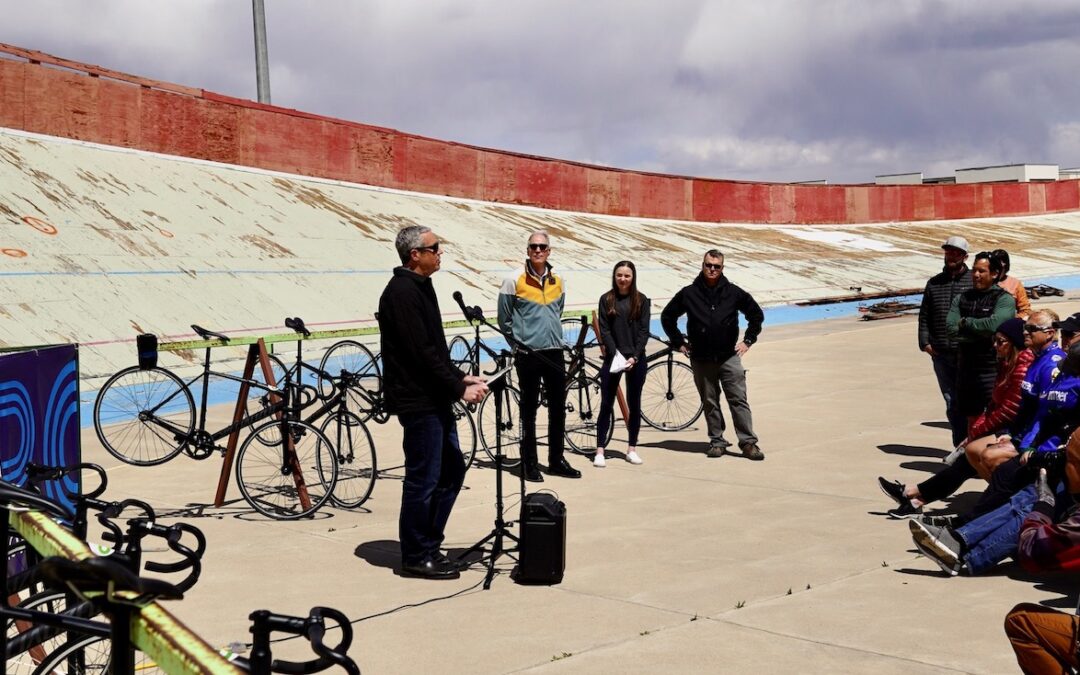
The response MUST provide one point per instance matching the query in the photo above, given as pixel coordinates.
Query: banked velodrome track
(101, 242)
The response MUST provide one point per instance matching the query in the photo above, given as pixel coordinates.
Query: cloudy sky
(781, 90)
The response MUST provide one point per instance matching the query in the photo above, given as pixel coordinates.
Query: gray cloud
(774, 90)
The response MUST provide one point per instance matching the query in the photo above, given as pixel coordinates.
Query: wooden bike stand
(257, 354)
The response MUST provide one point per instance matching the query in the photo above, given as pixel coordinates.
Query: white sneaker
(598, 462)
(633, 457)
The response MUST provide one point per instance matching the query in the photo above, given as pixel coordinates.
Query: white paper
(618, 362)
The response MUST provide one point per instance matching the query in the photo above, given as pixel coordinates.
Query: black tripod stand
(497, 386)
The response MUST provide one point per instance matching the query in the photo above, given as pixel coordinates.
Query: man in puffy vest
(941, 289)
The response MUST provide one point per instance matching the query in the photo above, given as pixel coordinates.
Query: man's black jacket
(936, 300)
(418, 375)
(712, 318)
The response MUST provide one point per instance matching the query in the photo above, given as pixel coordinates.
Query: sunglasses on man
(538, 247)
(713, 266)
(434, 248)
(1031, 328)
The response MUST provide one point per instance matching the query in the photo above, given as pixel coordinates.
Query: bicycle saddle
(297, 324)
(208, 334)
(105, 575)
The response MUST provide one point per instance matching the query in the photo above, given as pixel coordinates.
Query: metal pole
(262, 60)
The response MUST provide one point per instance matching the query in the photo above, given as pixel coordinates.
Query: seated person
(985, 540)
(1044, 639)
(1013, 359)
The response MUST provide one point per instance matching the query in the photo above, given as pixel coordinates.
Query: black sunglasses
(538, 247)
(1029, 328)
(713, 266)
(434, 248)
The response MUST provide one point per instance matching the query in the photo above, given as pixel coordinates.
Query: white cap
(956, 242)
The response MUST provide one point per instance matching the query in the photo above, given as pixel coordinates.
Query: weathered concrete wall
(93, 104)
(99, 243)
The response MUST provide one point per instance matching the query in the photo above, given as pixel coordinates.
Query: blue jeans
(434, 473)
(946, 372)
(994, 536)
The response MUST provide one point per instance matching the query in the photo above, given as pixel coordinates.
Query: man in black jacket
(934, 338)
(712, 305)
(420, 385)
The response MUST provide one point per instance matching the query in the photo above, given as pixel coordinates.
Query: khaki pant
(1044, 639)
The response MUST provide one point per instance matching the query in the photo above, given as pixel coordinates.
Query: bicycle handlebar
(313, 628)
(12, 495)
(37, 474)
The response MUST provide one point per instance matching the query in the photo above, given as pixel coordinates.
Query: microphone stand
(501, 531)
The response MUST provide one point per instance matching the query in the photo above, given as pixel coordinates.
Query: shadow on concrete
(381, 553)
(928, 467)
(680, 446)
(938, 424)
(912, 450)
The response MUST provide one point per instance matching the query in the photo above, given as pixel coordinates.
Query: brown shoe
(715, 451)
(753, 452)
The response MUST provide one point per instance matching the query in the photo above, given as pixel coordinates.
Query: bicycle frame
(204, 398)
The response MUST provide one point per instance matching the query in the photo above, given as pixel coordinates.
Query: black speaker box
(542, 558)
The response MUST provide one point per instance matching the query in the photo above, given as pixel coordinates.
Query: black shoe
(905, 510)
(441, 558)
(532, 474)
(895, 490)
(431, 569)
(561, 467)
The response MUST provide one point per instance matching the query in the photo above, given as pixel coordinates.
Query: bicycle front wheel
(461, 354)
(582, 413)
(466, 432)
(355, 454)
(293, 477)
(509, 427)
(669, 399)
(349, 356)
(144, 417)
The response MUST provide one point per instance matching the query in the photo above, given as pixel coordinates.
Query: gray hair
(409, 238)
(713, 253)
(540, 233)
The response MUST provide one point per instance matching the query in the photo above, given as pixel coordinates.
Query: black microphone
(461, 303)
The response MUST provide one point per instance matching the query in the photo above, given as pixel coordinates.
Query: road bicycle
(669, 398)
(351, 360)
(582, 394)
(350, 444)
(146, 416)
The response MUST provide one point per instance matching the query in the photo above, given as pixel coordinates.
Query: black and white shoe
(894, 489)
(905, 510)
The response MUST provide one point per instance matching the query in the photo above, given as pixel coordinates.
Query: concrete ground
(683, 564)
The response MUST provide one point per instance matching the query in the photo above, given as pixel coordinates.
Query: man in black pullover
(420, 385)
(712, 305)
(934, 339)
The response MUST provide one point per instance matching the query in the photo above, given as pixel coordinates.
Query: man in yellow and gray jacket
(530, 311)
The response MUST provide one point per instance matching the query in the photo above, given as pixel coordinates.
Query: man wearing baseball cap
(1069, 328)
(954, 279)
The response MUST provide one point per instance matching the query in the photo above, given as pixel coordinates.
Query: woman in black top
(624, 328)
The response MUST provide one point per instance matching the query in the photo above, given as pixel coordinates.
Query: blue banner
(39, 415)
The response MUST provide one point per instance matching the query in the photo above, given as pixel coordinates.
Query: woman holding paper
(623, 317)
